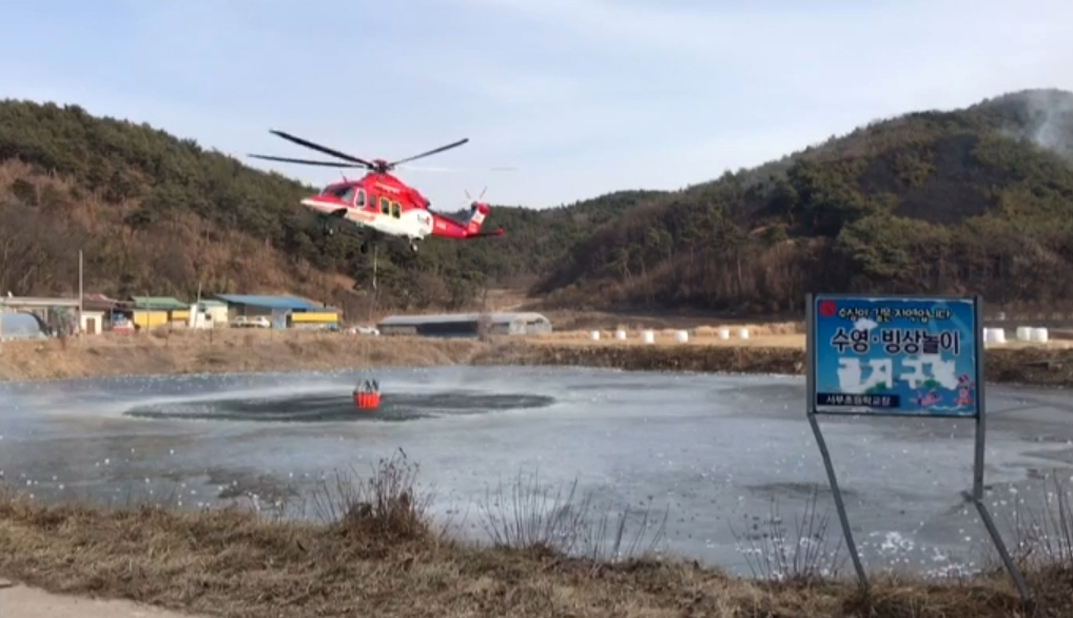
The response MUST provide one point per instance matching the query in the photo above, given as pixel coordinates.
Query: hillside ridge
(971, 200)
(974, 199)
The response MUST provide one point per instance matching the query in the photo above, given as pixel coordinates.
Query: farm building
(211, 313)
(465, 324)
(92, 322)
(216, 308)
(152, 311)
(281, 311)
(118, 315)
(56, 316)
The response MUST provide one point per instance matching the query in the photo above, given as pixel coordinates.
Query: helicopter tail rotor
(470, 198)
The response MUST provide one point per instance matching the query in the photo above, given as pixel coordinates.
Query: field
(226, 350)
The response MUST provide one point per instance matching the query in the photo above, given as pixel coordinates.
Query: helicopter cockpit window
(344, 194)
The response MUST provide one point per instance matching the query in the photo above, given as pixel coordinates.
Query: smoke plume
(1049, 121)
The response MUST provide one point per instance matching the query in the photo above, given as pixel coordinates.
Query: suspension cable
(372, 319)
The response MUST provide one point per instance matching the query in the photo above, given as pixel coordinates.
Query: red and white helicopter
(380, 204)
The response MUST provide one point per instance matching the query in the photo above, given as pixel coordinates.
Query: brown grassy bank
(226, 350)
(1043, 366)
(381, 556)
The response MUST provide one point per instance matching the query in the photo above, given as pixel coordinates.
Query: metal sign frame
(813, 410)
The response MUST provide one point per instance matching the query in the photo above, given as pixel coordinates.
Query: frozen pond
(715, 450)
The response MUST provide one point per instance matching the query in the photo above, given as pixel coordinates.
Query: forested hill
(976, 200)
(971, 200)
(156, 214)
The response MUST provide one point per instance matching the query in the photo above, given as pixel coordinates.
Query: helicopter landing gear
(364, 248)
(413, 246)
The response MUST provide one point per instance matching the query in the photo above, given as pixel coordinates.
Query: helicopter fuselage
(381, 202)
(413, 224)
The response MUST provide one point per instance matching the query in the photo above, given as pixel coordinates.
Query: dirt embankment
(222, 351)
(229, 351)
(1037, 366)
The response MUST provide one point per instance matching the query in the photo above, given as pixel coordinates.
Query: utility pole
(80, 296)
(197, 307)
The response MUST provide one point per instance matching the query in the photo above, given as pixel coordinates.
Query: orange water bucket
(366, 400)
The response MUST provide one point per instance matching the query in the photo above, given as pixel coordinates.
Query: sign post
(915, 356)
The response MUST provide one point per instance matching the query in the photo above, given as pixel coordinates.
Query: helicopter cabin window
(360, 203)
(385, 205)
(396, 210)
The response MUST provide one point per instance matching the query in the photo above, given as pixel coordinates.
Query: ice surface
(715, 450)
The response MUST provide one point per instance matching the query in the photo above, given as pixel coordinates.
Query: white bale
(994, 335)
(594, 335)
(681, 336)
(648, 337)
(1039, 335)
(620, 335)
(1024, 333)
(724, 333)
(743, 333)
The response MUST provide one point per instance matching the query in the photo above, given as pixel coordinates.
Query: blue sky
(582, 97)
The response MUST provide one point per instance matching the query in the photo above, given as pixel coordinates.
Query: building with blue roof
(281, 311)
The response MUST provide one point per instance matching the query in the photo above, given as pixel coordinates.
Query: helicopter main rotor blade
(318, 147)
(304, 161)
(422, 168)
(431, 152)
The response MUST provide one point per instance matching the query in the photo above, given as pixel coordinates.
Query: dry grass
(776, 554)
(702, 332)
(527, 516)
(667, 338)
(376, 553)
(773, 335)
(179, 351)
(229, 351)
(1036, 365)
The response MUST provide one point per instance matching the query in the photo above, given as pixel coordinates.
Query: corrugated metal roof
(161, 303)
(267, 302)
(495, 318)
(35, 301)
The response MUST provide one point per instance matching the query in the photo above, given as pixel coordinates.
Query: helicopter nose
(321, 202)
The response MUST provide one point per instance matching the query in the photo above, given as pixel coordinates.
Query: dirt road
(18, 601)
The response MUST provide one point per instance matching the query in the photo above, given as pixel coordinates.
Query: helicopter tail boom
(470, 227)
